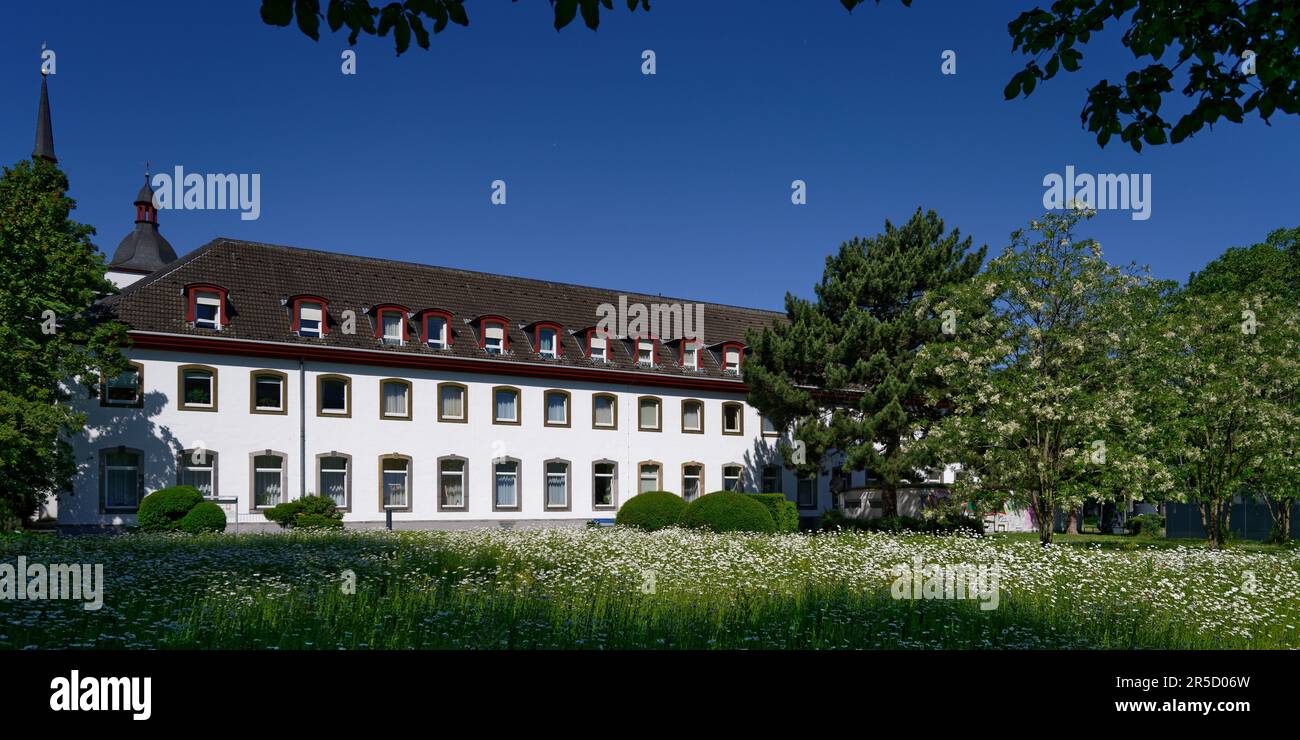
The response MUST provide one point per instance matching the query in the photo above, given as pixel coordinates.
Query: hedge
(205, 517)
(308, 512)
(836, 519)
(784, 512)
(651, 510)
(163, 509)
(728, 511)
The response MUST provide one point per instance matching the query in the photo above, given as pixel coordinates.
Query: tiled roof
(258, 277)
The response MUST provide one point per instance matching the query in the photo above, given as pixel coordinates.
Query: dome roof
(144, 249)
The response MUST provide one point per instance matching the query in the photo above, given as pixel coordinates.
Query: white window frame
(518, 478)
(554, 351)
(208, 298)
(303, 307)
(443, 338)
(547, 476)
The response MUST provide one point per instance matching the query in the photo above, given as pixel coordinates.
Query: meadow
(617, 588)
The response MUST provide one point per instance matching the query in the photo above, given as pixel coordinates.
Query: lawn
(616, 588)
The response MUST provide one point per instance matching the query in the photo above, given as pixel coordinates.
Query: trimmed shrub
(163, 509)
(835, 519)
(784, 512)
(651, 510)
(308, 512)
(206, 517)
(728, 511)
(1148, 525)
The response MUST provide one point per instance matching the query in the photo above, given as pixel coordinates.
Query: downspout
(302, 430)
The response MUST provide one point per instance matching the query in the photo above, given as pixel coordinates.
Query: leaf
(456, 11)
(1070, 59)
(402, 33)
(421, 35)
(308, 12)
(1012, 89)
(334, 15)
(277, 12)
(591, 13)
(565, 10)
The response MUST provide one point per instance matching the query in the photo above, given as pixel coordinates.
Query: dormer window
(690, 354)
(437, 330)
(308, 316)
(548, 342)
(646, 353)
(492, 333)
(731, 356)
(597, 346)
(206, 306)
(390, 325)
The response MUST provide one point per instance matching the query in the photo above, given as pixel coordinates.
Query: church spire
(44, 129)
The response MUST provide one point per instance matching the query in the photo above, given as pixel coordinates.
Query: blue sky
(676, 184)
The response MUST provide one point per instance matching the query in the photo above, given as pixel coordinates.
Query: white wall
(160, 429)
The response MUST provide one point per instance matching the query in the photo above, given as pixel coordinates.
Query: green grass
(589, 589)
(1131, 542)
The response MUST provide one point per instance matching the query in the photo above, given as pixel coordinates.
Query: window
(126, 389)
(198, 388)
(645, 352)
(268, 392)
(772, 479)
(505, 489)
(451, 483)
(451, 402)
(649, 477)
(334, 479)
(693, 416)
(437, 330)
(197, 468)
(731, 354)
(494, 337)
(604, 484)
(648, 414)
(769, 429)
(393, 324)
(807, 495)
(395, 399)
(733, 418)
(557, 408)
(268, 479)
(692, 480)
(505, 405)
(333, 395)
(731, 477)
(557, 485)
(690, 355)
(395, 483)
(121, 482)
(597, 346)
(548, 342)
(207, 309)
(604, 411)
(311, 319)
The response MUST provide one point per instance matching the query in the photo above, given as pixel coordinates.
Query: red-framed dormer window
(646, 351)
(689, 353)
(436, 329)
(546, 339)
(309, 315)
(390, 323)
(205, 306)
(732, 355)
(597, 345)
(492, 335)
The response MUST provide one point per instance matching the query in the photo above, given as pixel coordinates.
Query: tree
(1035, 376)
(1229, 367)
(1244, 57)
(50, 338)
(1271, 267)
(844, 368)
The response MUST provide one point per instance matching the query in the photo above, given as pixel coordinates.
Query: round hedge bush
(206, 517)
(651, 510)
(728, 511)
(163, 509)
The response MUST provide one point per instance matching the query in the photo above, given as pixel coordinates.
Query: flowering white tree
(1227, 370)
(1042, 404)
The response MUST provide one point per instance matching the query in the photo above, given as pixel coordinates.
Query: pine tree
(844, 368)
(51, 338)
